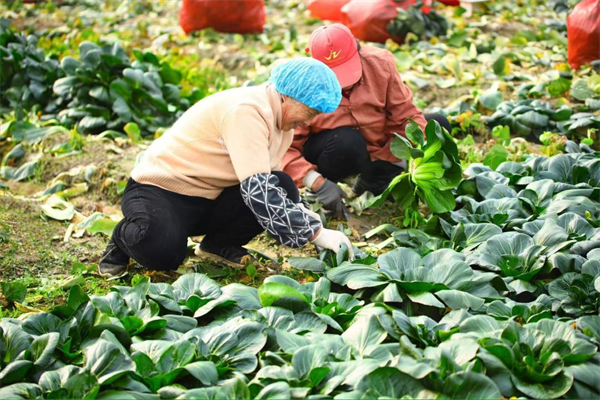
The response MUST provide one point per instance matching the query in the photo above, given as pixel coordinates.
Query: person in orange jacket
(355, 138)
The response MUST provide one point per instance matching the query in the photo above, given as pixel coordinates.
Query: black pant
(342, 152)
(157, 222)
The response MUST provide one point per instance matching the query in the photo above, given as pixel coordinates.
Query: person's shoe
(359, 186)
(113, 263)
(231, 255)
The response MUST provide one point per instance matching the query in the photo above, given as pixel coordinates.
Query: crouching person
(217, 172)
(356, 138)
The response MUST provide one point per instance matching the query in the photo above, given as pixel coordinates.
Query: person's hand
(330, 195)
(333, 240)
(309, 211)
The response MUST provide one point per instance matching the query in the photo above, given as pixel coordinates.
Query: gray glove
(331, 195)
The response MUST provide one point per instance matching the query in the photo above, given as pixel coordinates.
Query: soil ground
(34, 249)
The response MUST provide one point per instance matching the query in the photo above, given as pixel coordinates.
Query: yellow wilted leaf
(464, 115)
(26, 309)
(74, 191)
(411, 37)
(107, 182)
(247, 259)
(562, 67)
(392, 46)
(434, 40)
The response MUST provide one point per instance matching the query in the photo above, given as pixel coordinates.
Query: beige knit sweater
(220, 141)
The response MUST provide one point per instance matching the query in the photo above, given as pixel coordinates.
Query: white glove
(333, 240)
(309, 211)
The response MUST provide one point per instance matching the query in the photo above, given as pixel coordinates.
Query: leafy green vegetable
(27, 74)
(105, 90)
(577, 292)
(532, 359)
(414, 20)
(433, 169)
(441, 279)
(14, 291)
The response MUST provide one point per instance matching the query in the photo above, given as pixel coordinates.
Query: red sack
(368, 19)
(450, 2)
(583, 33)
(230, 16)
(326, 9)
(426, 7)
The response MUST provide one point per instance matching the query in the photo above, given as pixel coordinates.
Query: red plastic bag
(426, 7)
(583, 33)
(230, 16)
(450, 2)
(326, 9)
(368, 19)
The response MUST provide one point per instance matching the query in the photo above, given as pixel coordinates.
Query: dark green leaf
(439, 201)
(14, 291)
(15, 371)
(106, 361)
(307, 264)
(42, 350)
(388, 382)
(21, 391)
(414, 133)
(470, 385)
(401, 148)
(490, 99)
(204, 371)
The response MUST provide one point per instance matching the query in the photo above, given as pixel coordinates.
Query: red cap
(335, 46)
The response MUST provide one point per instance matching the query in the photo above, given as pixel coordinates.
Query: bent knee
(153, 245)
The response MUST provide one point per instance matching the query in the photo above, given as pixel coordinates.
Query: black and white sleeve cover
(278, 215)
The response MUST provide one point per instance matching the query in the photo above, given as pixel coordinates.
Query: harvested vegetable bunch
(433, 169)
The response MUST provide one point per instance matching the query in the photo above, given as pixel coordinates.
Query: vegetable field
(476, 273)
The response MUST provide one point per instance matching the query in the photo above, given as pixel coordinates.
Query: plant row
(197, 339)
(101, 90)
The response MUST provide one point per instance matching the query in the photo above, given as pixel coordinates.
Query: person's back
(194, 157)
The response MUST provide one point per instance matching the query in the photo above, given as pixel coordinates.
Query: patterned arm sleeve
(276, 213)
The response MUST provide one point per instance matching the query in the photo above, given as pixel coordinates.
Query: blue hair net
(308, 81)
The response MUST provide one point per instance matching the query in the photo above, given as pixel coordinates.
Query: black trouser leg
(157, 223)
(338, 153)
(377, 176)
(232, 222)
(342, 152)
(443, 121)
